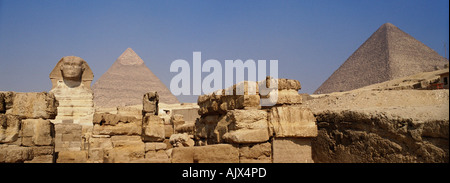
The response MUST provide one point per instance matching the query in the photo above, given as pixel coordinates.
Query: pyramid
(126, 82)
(389, 53)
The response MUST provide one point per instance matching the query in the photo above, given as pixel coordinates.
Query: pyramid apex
(387, 24)
(129, 57)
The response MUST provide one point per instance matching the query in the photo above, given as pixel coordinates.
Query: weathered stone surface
(153, 129)
(155, 146)
(291, 121)
(255, 153)
(96, 155)
(125, 149)
(211, 127)
(188, 127)
(124, 154)
(72, 157)
(246, 101)
(183, 155)
(289, 97)
(14, 154)
(122, 141)
(168, 131)
(158, 156)
(41, 159)
(282, 97)
(9, 128)
(288, 84)
(2, 102)
(247, 136)
(68, 137)
(36, 132)
(189, 114)
(100, 142)
(238, 96)
(130, 111)
(150, 103)
(281, 83)
(218, 153)
(42, 150)
(292, 150)
(113, 119)
(177, 120)
(247, 126)
(31, 105)
(181, 140)
(118, 129)
(366, 136)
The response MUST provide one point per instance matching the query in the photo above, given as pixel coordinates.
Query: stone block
(281, 97)
(289, 97)
(122, 141)
(168, 131)
(218, 153)
(41, 159)
(183, 155)
(247, 136)
(72, 157)
(130, 111)
(188, 127)
(292, 121)
(42, 150)
(157, 155)
(205, 126)
(113, 119)
(177, 120)
(125, 154)
(100, 142)
(247, 126)
(9, 128)
(15, 154)
(288, 84)
(153, 129)
(155, 146)
(283, 84)
(36, 132)
(118, 129)
(32, 105)
(292, 150)
(255, 153)
(96, 155)
(68, 137)
(189, 114)
(181, 140)
(248, 119)
(150, 103)
(246, 101)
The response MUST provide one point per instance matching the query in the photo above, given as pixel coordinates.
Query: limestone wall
(223, 129)
(352, 136)
(26, 133)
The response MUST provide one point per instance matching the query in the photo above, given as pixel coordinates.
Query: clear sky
(309, 38)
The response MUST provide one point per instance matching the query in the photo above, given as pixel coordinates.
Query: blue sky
(310, 39)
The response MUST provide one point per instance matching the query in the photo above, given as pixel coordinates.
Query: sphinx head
(72, 68)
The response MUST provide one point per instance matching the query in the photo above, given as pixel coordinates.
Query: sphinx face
(72, 69)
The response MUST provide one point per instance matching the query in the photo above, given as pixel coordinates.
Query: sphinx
(71, 79)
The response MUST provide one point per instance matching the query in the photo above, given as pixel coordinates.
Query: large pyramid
(126, 81)
(388, 54)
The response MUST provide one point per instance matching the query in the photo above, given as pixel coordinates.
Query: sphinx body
(71, 79)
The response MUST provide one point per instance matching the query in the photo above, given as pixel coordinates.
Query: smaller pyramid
(387, 54)
(126, 82)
